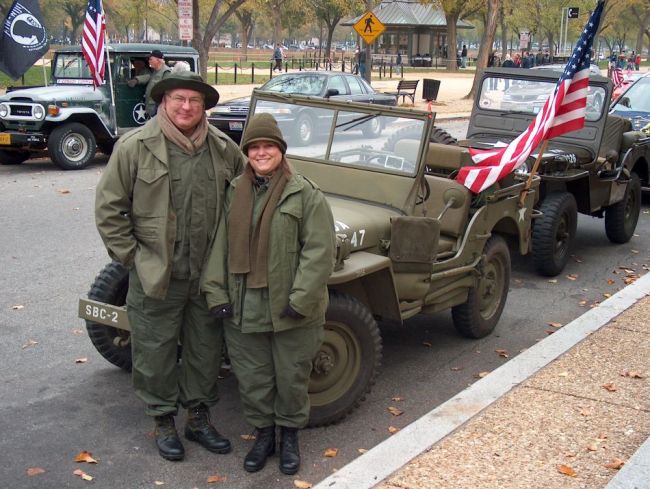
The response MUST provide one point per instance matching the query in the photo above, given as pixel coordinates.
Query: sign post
(185, 20)
(369, 28)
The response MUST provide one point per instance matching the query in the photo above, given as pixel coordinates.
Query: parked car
(634, 104)
(69, 120)
(230, 116)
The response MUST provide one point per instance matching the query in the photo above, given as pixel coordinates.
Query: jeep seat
(448, 157)
(615, 127)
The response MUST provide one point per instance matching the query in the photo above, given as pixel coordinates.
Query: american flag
(617, 76)
(564, 111)
(92, 44)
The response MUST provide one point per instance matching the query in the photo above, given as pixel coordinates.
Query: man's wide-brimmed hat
(189, 81)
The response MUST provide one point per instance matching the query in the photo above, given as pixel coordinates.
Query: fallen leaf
(216, 478)
(455, 369)
(32, 471)
(582, 303)
(502, 353)
(572, 276)
(570, 454)
(592, 447)
(158, 483)
(555, 325)
(632, 374)
(601, 437)
(427, 344)
(609, 386)
(29, 343)
(634, 251)
(607, 296)
(549, 331)
(392, 429)
(85, 456)
(362, 450)
(77, 331)
(397, 399)
(563, 374)
(83, 475)
(585, 412)
(480, 375)
(301, 484)
(566, 470)
(395, 411)
(63, 191)
(576, 259)
(615, 464)
(552, 281)
(18, 307)
(81, 360)
(610, 281)
(331, 452)
(247, 437)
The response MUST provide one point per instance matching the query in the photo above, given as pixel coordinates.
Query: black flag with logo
(23, 39)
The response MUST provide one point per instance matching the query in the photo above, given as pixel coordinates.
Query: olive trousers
(272, 371)
(157, 327)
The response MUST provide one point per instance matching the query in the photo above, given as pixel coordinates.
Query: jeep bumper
(21, 140)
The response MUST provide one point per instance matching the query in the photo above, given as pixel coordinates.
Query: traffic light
(572, 12)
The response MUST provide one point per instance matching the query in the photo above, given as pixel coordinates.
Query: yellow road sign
(369, 27)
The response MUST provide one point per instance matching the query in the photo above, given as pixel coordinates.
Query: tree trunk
(504, 33)
(452, 20)
(486, 44)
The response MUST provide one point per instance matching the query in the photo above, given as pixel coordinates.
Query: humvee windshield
(349, 138)
(528, 96)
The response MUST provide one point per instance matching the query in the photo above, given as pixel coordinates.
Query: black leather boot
(167, 440)
(289, 450)
(263, 448)
(199, 429)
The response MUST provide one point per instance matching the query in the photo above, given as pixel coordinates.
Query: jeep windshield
(71, 68)
(503, 94)
(344, 134)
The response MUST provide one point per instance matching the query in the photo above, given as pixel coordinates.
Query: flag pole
(110, 84)
(44, 74)
(529, 182)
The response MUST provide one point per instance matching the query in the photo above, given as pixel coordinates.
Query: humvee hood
(55, 93)
(364, 224)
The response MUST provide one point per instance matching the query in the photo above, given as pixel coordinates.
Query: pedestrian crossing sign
(369, 27)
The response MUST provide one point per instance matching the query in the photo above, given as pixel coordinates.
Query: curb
(389, 456)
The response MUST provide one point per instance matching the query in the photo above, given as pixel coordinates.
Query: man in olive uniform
(157, 207)
(159, 71)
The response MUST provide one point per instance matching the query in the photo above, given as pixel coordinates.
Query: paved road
(51, 407)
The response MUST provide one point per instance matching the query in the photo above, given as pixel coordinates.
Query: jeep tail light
(53, 110)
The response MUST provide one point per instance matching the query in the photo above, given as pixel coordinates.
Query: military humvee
(410, 240)
(68, 120)
(597, 170)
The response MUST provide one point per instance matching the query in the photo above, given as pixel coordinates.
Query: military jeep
(597, 170)
(68, 120)
(410, 240)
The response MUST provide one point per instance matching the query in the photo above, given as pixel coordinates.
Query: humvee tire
(348, 362)
(479, 316)
(13, 157)
(110, 286)
(554, 233)
(72, 146)
(621, 218)
(413, 132)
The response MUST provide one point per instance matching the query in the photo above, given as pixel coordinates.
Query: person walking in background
(507, 63)
(267, 278)
(361, 60)
(637, 61)
(159, 72)
(463, 57)
(398, 64)
(157, 206)
(278, 55)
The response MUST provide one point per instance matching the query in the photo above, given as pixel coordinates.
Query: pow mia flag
(23, 39)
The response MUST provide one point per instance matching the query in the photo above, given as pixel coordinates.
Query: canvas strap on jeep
(413, 242)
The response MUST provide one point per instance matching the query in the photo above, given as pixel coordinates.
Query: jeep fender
(369, 278)
(86, 116)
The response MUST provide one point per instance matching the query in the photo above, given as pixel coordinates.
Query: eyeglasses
(195, 102)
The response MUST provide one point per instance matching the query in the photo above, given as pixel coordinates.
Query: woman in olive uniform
(267, 277)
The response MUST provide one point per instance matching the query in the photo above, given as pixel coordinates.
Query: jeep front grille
(21, 110)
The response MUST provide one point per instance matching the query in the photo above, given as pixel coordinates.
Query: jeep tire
(72, 146)
(415, 132)
(554, 233)
(111, 286)
(348, 362)
(479, 316)
(13, 157)
(622, 217)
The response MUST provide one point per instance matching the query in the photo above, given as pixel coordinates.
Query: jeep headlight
(4, 110)
(38, 112)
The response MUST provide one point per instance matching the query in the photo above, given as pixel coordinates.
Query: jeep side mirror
(453, 199)
(626, 102)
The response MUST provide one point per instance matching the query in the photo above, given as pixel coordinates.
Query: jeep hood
(56, 93)
(364, 224)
